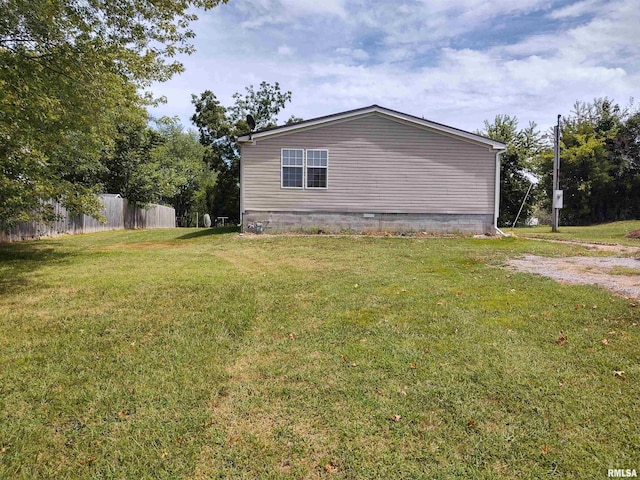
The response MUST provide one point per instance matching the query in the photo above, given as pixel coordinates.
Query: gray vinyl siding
(376, 164)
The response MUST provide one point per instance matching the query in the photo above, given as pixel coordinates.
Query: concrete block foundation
(363, 222)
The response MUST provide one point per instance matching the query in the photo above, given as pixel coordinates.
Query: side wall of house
(377, 165)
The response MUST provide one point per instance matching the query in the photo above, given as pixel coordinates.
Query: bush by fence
(119, 213)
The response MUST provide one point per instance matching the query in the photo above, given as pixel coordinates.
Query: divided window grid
(292, 168)
(296, 173)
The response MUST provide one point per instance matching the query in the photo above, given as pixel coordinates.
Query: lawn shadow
(205, 232)
(17, 260)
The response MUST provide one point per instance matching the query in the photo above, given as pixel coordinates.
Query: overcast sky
(457, 62)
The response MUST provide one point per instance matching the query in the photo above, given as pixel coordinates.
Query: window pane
(292, 177)
(316, 158)
(316, 177)
(292, 157)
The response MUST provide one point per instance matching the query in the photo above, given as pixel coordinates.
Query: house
(369, 169)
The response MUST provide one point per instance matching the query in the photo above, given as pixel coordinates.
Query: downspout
(241, 189)
(496, 200)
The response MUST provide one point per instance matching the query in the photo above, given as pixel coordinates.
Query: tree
(264, 105)
(69, 71)
(626, 148)
(523, 147)
(157, 165)
(187, 177)
(599, 169)
(293, 119)
(128, 168)
(219, 128)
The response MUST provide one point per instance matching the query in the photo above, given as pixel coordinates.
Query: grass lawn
(187, 354)
(604, 233)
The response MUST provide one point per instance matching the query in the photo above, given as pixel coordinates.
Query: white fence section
(119, 215)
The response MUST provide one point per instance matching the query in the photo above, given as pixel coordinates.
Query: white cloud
(257, 22)
(437, 20)
(576, 9)
(611, 36)
(278, 12)
(411, 64)
(352, 53)
(315, 7)
(285, 50)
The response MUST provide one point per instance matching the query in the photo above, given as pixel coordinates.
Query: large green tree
(600, 163)
(69, 71)
(162, 164)
(524, 146)
(219, 128)
(128, 166)
(626, 148)
(187, 179)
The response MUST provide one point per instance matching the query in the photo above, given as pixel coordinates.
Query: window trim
(306, 167)
(304, 161)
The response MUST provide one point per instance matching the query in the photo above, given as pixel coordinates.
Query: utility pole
(557, 193)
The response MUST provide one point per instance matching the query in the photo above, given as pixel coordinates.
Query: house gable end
(373, 110)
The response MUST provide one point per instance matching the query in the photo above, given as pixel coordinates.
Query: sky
(457, 62)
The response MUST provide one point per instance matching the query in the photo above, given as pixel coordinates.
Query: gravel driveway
(586, 270)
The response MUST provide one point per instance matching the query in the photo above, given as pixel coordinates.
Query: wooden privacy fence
(119, 213)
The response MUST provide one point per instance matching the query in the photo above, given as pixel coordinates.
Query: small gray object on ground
(256, 227)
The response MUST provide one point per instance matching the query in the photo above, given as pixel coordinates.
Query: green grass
(624, 271)
(605, 233)
(183, 354)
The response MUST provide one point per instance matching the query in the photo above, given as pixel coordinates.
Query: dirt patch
(635, 234)
(602, 271)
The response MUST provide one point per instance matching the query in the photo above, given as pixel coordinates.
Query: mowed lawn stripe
(108, 365)
(143, 354)
(465, 354)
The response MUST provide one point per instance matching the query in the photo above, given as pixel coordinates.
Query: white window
(304, 168)
(317, 168)
(292, 162)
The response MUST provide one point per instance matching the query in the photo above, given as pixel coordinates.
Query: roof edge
(267, 132)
